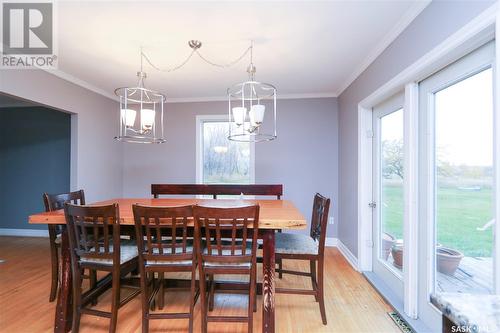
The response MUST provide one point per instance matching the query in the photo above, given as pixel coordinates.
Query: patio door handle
(372, 204)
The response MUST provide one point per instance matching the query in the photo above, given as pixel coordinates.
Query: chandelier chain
(230, 64)
(168, 69)
(195, 50)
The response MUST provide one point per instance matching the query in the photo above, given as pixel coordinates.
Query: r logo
(27, 28)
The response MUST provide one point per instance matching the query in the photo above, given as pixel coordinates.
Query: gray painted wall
(96, 157)
(437, 22)
(303, 158)
(34, 158)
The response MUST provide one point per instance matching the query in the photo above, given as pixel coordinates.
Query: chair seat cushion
(128, 251)
(295, 244)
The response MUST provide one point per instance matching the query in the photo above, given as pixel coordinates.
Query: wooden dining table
(274, 215)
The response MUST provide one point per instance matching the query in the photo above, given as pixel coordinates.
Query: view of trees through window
(464, 167)
(464, 220)
(391, 182)
(224, 161)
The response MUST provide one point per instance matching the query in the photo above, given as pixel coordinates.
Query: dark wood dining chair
(307, 247)
(94, 240)
(55, 202)
(164, 246)
(218, 254)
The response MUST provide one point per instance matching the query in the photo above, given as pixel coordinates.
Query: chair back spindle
(162, 234)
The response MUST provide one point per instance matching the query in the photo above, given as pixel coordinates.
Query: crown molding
(400, 26)
(224, 98)
(84, 84)
(309, 95)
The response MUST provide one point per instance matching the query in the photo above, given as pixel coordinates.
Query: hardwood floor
(352, 305)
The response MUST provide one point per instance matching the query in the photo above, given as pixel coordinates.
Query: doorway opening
(35, 157)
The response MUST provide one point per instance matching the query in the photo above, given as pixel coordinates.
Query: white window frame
(466, 67)
(474, 34)
(200, 120)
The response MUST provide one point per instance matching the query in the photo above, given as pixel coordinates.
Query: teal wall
(34, 158)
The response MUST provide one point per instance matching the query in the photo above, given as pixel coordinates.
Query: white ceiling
(303, 48)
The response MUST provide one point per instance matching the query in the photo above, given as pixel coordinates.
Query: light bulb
(257, 114)
(147, 119)
(239, 114)
(128, 117)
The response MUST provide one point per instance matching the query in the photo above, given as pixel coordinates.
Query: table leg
(64, 310)
(268, 265)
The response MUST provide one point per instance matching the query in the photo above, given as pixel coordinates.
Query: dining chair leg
(151, 284)
(211, 296)
(255, 288)
(77, 299)
(203, 300)
(161, 291)
(314, 280)
(144, 280)
(93, 283)
(280, 267)
(54, 258)
(321, 291)
(251, 299)
(192, 298)
(115, 299)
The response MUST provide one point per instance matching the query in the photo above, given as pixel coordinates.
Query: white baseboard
(331, 241)
(351, 258)
(24, 232)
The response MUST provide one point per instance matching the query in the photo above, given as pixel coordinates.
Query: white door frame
(472, 64)
(382, 268)
(477, 32)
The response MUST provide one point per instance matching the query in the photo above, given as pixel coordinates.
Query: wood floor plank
(352, 304)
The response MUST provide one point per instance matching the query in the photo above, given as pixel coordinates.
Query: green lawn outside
(460, 212)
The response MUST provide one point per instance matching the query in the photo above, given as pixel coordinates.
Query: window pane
(391, 182)
(224, 161)
(464, 181)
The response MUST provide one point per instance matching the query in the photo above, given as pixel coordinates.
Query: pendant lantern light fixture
(141, 113)
(248, 102)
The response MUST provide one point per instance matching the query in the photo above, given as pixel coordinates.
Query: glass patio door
(388, 196)
(456, 239)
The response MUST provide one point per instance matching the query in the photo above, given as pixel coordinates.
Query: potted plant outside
(448, 260)
(397, 255)
(387, 243)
